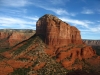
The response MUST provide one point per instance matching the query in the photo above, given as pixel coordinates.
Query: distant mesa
(11, 37)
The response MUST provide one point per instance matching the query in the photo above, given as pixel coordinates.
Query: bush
(20, 71)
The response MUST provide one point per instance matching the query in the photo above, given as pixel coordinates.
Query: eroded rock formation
(57, 32)
(65, 38)
(9, 38)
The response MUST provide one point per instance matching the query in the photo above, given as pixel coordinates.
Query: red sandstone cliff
(17, 37)
(65, 38)
(57, 32)
(9, 38)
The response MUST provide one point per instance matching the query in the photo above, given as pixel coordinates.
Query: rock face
(65, 38)
(9, 38)
(57, 32)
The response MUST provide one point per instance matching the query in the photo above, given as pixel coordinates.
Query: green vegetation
(22, 48)
(36, 62)
(71, 45)
(52, 69)
(80, 46)
(23, 59)
(97, 48)
(20, 71)
(4, 49)
(1, 57)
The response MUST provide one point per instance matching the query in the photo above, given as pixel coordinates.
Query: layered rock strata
(57, 32)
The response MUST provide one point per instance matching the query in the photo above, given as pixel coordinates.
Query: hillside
(11, 37)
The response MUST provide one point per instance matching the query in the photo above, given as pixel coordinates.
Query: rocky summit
(56, 32)
(55, 49)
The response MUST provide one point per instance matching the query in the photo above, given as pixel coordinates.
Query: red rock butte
(56, 32)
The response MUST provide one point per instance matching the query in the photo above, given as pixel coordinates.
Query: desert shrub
(20, 71)
(22, 48)
(80, 46)
(97, 48)
(23, 59)
(4, 49)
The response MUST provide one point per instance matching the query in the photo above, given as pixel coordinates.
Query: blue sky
(23, 14)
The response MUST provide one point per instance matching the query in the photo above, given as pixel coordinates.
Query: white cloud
(19, 11)
(95, 29)
(87, 11)
(98, 21)
(50, 6)
(16, 22)
(83, 25)
(61, 11)
(58, 11)
(15, 3)
(75, 22)
(88, 22)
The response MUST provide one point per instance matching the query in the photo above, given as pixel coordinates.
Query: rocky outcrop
(70, 54)
(56, 32)
(9, 38)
